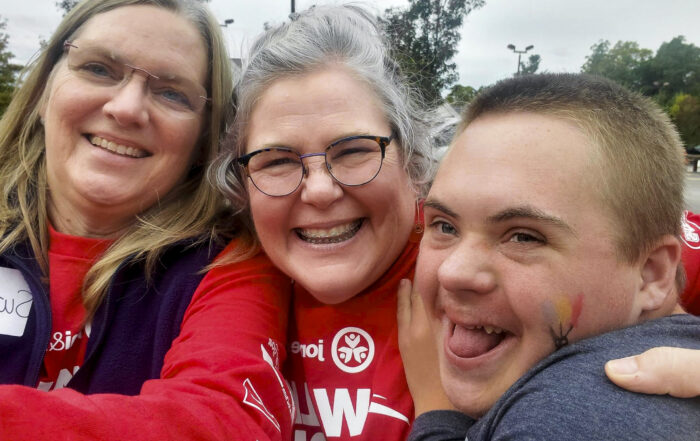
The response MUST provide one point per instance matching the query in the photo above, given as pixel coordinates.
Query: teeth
(488, 329)
(336, 234)
(117, 148)
(335, 231)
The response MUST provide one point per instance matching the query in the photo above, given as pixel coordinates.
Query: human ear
(658, 291)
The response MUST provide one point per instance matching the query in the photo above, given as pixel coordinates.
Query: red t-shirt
(690, 299)
(70, 258)
(344, 365)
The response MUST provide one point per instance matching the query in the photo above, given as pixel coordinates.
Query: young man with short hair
(551, 246)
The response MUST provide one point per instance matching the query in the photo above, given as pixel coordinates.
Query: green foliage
(533, 63)
(623, 63)
(424, 38)
(677, 68)
(685, 112)
(66, 5)
(671, 77)
(460, 96)
(8, 70)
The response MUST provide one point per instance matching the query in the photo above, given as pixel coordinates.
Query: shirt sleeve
(220, 379)
(440, 425)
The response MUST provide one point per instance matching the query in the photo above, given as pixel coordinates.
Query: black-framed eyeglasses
(351, 161)
(101, 69)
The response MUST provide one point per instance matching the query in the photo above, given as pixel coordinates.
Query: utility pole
(512, 47)
(293, 9)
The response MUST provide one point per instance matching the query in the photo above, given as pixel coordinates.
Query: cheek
(268, 214)
(426, 280)
(63, 100)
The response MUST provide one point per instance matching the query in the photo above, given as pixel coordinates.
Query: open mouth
(474, 341)
(337, 234)
(115, 148)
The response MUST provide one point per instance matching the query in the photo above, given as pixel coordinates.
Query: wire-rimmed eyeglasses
(101, 68)
(351, 161)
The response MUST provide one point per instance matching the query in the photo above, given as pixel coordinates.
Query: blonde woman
(109, 328)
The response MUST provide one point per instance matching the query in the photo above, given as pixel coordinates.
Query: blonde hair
(192, 211)
(640, 154)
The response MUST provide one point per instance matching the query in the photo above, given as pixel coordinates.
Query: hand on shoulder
(662, 370)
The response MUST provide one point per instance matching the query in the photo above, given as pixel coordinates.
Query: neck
(67, 220)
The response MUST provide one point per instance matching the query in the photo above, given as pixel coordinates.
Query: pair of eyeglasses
(351, 161)
(101, 68)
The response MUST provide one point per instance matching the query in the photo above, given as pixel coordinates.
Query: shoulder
(440, 425)
(567, 395)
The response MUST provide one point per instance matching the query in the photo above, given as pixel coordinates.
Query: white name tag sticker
(15, 302)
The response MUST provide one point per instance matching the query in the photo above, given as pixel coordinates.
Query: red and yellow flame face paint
(562, 313)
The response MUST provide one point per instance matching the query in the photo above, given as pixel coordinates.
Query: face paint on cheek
(564, 312)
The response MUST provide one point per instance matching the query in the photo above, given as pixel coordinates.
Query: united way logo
(352, 350)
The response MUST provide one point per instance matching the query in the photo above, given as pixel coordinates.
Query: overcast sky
(562, 31)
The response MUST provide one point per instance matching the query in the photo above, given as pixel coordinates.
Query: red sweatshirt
(691, 261)
(344, 365)
(217, 383)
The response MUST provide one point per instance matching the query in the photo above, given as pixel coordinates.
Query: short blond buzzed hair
(640, 153)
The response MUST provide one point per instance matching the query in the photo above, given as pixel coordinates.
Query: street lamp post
(512, 47)
(293, 9)
(226, 22)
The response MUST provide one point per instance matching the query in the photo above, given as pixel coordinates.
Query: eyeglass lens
(98, 67)
(279, 171)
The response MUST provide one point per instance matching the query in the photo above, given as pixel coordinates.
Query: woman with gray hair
(328, 158)
(109, 328)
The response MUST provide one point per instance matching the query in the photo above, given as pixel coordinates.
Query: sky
(561, 31)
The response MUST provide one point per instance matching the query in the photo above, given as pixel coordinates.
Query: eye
(442, 227)
(353, 148)
(173, 97)
(274, 161)
(278, 161)
(525, 238)
(99, 70)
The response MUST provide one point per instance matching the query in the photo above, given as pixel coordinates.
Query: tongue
(470, 343)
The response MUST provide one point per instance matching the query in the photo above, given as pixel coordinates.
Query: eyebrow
(439, 206)
(116, 57)
(270, 145)
(529, 212)
(519, 212)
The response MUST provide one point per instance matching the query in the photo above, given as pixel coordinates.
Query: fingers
(403, 307)
(663, 370)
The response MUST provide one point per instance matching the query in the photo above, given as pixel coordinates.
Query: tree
(685, 112)
(677, 67)
(8, 70)
(623, 63)
(424, 37)
(66, 5)
(533, 63)
(460, 96)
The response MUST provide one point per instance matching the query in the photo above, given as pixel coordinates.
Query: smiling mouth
(115, 148)
(337, 234)
(474, 341)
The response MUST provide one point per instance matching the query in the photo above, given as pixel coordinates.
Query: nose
(467, 269)
(128, 104)
(318, 186)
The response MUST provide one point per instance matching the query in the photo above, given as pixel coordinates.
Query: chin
(330, 292)
(473, 400)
